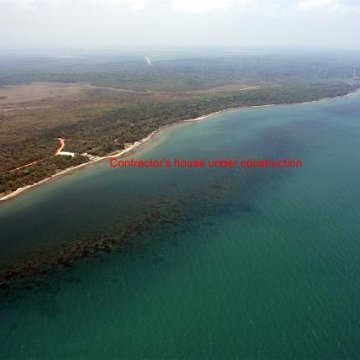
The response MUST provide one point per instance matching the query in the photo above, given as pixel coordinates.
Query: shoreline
(135, 146)
(129, 149)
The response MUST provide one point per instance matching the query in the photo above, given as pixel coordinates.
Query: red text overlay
(202, 164)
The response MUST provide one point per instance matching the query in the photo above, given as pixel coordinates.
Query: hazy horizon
(133, 24)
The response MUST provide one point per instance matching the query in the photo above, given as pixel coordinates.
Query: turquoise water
(244, 264)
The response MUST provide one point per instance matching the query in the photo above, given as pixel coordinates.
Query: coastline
(135, 146)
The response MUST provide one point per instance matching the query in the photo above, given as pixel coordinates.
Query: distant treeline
(177, 74)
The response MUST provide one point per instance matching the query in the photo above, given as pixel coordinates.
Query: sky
(119, 24)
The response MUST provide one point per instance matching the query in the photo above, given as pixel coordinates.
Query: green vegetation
(11, 181)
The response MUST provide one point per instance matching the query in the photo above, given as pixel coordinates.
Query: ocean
(198, 263)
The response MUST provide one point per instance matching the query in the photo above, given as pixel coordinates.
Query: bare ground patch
(38, 90)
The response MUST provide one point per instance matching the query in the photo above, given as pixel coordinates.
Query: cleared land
(13, 94)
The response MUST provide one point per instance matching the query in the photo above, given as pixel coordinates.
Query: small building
(66, 153)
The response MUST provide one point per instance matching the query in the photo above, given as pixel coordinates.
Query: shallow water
(245, 263)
